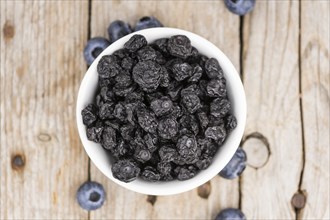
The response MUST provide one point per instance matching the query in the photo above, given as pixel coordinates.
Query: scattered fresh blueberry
(235, 166)
(118, 29)
(230, 214)
(94, 47)
(240, 7)
(147, 22)
(91, 195)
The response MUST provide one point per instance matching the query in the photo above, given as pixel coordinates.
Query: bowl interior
(236, 96)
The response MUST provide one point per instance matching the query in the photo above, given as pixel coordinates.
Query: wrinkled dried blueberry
(125, 170)
(181, 71)
(179, 46)
(89, 114)
(197, 73)
(188, 149)
(150, 174)
(167, 128)
(231, 123)
(161, 45)
(147, 120)
(94, 133)
(136, 42)
(109, 139)
(106, 111)
(191, 102)
(147, 75)
(185, 172)
(164, 168)
(167, 153)
(220, 107)
(217, 133)
(108, 66)
(216, 88)
(142, 154)
(161, 106)
(151, 141)
(213, 69)
(146, 53)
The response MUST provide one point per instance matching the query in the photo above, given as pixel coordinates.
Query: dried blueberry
(109, 139)
(123, 80)
(236, 165)
(147, 75)
(125, 170)
(167, 128)
(147, 22)
(188, 149)
(220, 107)
(118, 29)
(181, 71)
(191, 102)
(167, 153)
(94, 47)
(216, 88)
(213, 69)
(89, 114)
(161, 106)
(150, 174)
(185, 172)
(106, 111)
(164, 168)
(147, 120)
(197, 73)
(94, 133)
(151, 142)
(146, 53)
(231, 123)
(161, 45)
(136, 42)
(179, 46)
(120, 112)
(217, 133)
(127, 63)
(142, 154)
(108, 66)
(173, 90)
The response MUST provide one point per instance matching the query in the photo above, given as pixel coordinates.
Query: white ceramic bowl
(236, 96)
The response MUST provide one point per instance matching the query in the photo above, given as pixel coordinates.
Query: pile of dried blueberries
(161, 110)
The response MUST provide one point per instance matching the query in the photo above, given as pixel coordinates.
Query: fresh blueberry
(90, 195)
(235, 166)
(230, 214)
(240, 7)
(147, 22)
(118, 29)
(93, 48)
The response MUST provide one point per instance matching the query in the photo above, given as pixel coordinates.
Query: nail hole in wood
(44, 137)
(18, 162)
(257, 150)
(298, 200)
(151, 199)
(8, 30)
(204, 190)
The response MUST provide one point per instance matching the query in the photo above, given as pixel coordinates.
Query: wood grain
(198, 17)
(315, 72)
(271, 81)
(41, 69)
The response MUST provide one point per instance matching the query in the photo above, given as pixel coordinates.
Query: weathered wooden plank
(271, 80)
(315, 72)
(41, 68)
(223, 30)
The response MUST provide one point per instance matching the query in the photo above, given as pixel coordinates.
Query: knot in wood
(298, 200)
(204, 190)
(18, 162)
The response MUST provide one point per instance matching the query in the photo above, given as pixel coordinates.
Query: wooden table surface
(281, 50)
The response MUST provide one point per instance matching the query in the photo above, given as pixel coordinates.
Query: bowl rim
(225, 153)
